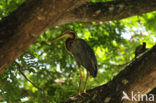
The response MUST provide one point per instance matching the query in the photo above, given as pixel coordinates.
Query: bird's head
(69, 34)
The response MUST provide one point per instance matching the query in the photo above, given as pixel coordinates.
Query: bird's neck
(68, 44)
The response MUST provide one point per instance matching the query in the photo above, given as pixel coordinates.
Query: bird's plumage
(84, 54)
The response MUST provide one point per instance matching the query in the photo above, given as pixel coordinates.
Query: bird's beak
(63, 35)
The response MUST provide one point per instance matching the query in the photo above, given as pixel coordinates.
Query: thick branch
(108, 11)
(138, 76)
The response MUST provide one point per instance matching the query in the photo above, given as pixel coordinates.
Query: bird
(83, 53)
(140, 49)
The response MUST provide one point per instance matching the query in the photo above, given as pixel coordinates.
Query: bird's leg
(80, 80)
(87, 76)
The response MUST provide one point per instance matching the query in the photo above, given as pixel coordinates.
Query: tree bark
(128, 80)
(107, 11)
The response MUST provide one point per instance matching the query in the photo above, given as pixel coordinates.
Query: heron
(83, 53)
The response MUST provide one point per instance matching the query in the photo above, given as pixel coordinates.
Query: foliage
(7, 6)
(51, 68)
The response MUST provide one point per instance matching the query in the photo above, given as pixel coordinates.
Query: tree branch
(22, 27)
(138, 76)
(20, 70)
(108, 11)
(42, 90)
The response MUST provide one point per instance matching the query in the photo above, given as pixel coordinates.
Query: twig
(19, 68)
(43, 92)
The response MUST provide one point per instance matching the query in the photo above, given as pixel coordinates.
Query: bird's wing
(84, 55)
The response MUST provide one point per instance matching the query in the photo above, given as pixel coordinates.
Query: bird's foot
(79, 95)
(84, 92)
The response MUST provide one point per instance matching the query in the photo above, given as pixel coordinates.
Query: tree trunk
(138, 77)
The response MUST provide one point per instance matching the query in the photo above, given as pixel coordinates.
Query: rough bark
(108, 11)
(127, 80)
(153, 91)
